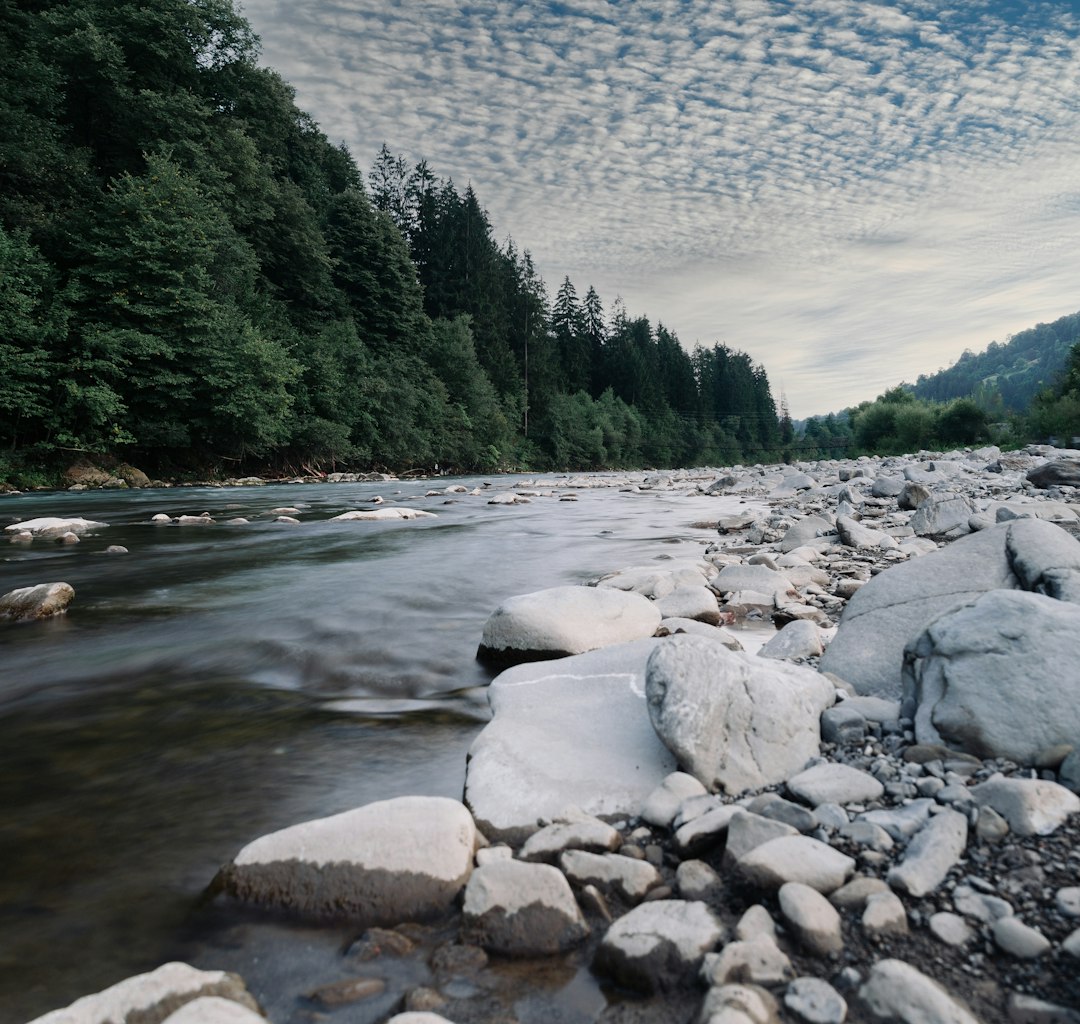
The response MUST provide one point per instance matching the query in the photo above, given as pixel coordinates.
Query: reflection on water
(220, 682)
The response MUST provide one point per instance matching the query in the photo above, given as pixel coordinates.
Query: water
(219, 682)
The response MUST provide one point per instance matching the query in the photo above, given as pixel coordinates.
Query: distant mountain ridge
(1016, 370)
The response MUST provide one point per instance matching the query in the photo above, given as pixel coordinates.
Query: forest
(195, 279)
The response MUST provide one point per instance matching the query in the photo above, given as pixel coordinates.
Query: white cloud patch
(851, 192)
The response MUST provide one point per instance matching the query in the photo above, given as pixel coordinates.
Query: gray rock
(866, 833)
(835, 784)
(901, 822)
(1032, 807)
(1029, 1010)
(695, 880)
(1045, 559)
(950, 929)
(152, 996)
(629, 878)
(930, 855)
(1018, 939)
(896, 991)
(830, 815)
(1071, 944)
(912, 495)
(390, 861)
(799, 639)
(756, 923)
(658, 946)
(1015, 703)
(796, 858)
(739, 1004)
(733, 578)
(804, 531)
(662, 804)
(980, 906)
(841, 724)
(943, 516)
(698, 603)
(748, 962)
(747, 830)
(29, 604)
(887, 487)
(854, 535)
(854, 894)
(575, 832)
(811, 918)
(874, 709)
(815, 1001)
(705, 830)
(1067, 900)
(771, 805)
(1056, 473)
(572, 732)
(884, 914)
(519, 909)
(735, 722)
(565, 620)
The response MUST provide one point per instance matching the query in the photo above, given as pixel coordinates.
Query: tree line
(192, 276)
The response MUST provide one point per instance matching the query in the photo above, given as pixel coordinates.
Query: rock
(796, 858)
(28, 604)
(930, 854)
(131, 476)
(575, 832)
(980, 906)
(152, 996)
(884, 915)
(49, 527)
(698, 603)
(1071, 944)
(800, 639)
(390, 512)
(950, 928)
(901, 822)
(812, 918)
(734, 578)
(116, 549)
(854, 535)
(896, 991)
(834, 784)
(214, 1010)
(1015, 703)
(747, 830)
(1029, 1010)
(418, 1017)
(749, 962)
(518, 909)
(866, 833)
(705, 830)
(739, 1004)
(347, 991)
(943, 516)
(572, 732)
(841, 724)
(662, 804)
(1067, 900)
(1032, 807)
(806, 530)
(695, 880)
(1056, 473)
(1018, 939)
(756, 923)
(815, 1001)
(735, 722)
(658, 946)
(631, 879)
(654, 582)
(888, 487)
(774, 806)
(565, 620)
(895, 607)
(854, 894)
(390, 861)
(669, 627)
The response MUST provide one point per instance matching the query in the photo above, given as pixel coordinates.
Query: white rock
(896, 991)
(662, 804)
(706, 829)
(582, 833)
(387, 862)
(930, 854)
(658, 946)
(43, 601)
(519, 909)
(653, 582)
(812, 918)
(389, 512)
(798, 639)
(748, 962)
(739, 1004)
(698, 603)
(151, 996)
(418, 1017)
(571, 732)
(796, 859)
(950, 928)
(50, 526)
(756, 923)
(1018, 939)
(831, 783)
(214, 1010)
(735, 722)
(884, 915)
(695, 880)
(629, 878)
(815, 1001)
(566, 620)
(1032, 807)
(747, 830)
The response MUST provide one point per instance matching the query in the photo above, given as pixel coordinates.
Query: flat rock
(1032, 807)
(389, 512)
(831, 783)
(698, 603)
(896, 991)
(519, 909)
(562, 621)
(1014, 702)
(629, 878)
(930, 854)
(658, 946)
(734, 578)
(52, 526)
(28, 604)
(799, 639)
(734, 721)
(747, 830)
(1018, 939)
(572, 732)
(390, 861)
(796, 858)
(151, 996)
(580, 832)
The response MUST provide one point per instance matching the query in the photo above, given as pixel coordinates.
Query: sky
(851, 192)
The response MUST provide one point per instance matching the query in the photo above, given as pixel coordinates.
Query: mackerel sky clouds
(852, 192)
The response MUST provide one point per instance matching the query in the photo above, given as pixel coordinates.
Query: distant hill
(1015, 370)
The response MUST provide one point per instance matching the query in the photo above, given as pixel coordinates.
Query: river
(219, 682)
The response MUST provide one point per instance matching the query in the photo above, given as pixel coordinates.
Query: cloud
(851, 192)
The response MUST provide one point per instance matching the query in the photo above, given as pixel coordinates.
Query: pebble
(950, 928)
(1067, 900)
(1018, 939)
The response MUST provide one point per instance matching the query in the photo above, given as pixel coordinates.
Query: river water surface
(220, 682)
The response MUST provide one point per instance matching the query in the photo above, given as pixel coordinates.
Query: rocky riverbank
(883, 831)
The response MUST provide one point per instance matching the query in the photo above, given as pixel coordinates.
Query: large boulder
(53, 526)
(895, 606)
(28, 604)
(943, 515)
(150, 998)
(1056, 473)
(734, 721)
(997, 677)
(573, 732)
(383, 863)
(562, 621)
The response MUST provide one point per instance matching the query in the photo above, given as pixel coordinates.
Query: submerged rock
(27, 604)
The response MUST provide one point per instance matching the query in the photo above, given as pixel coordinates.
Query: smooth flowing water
(219, 682)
